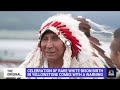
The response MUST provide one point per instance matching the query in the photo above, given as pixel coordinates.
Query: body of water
(15, 49)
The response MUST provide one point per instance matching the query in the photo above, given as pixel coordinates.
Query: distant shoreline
(9, 38)
(2, 61)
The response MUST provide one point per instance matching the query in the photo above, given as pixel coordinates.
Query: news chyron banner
(59, 72)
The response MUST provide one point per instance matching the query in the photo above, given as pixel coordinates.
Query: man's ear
(38, 44)
(119, 55)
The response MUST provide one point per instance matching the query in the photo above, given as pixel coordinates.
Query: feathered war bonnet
(78, 48)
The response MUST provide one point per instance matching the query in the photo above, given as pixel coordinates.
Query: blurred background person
(115, 48)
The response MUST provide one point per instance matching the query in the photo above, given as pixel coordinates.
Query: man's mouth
(50, 52)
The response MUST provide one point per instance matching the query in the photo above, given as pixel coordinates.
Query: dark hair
(117, 33)
(46, 32)
(117, 38)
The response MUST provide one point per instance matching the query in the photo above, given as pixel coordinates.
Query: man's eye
(44, 39)
(55, 38)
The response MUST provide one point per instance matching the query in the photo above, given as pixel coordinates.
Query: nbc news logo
(111, 72)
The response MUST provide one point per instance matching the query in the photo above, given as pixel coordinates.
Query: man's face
(52, 47)
(115, 53)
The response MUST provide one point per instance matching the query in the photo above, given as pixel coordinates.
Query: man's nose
(49, 44)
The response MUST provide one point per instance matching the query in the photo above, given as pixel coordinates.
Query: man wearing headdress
(62, 44)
